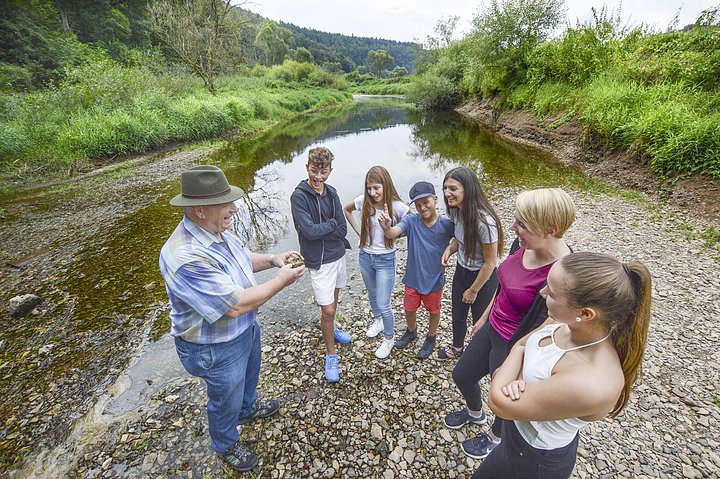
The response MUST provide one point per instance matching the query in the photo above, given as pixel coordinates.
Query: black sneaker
(479, 447)
(239, 457)
(407, 337)
(457, 419)
(261, 409)
(427, 348)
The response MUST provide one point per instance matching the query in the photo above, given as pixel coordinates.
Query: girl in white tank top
(576, 368)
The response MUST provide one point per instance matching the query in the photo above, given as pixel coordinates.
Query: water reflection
(262, 215)
(413, 146)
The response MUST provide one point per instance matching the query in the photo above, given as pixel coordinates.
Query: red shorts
(431, 301)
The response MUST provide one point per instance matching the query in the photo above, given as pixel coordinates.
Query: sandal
(450, 352)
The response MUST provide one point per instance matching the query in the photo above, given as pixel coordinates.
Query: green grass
(655, 93)
(711, 236)
(383, 86)
(106, 109)
(675, 125)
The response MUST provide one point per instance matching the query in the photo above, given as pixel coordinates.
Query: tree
(303, 55)
(378, 61)
(444, 31)
(504, 34)
(202, 33)
(399, 72)
(272, 42)
(333, 67)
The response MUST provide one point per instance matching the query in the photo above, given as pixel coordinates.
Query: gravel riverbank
(384, 418)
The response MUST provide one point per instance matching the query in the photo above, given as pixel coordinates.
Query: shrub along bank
(658, 93)
(101, 109)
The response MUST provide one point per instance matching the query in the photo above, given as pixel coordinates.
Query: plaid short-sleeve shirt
(204, 278)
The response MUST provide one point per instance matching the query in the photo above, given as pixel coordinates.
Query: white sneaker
(375, 328)
(385, 347)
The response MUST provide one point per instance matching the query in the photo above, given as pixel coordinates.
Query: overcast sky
(408, 20)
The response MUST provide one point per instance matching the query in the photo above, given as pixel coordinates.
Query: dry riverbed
(384, 418)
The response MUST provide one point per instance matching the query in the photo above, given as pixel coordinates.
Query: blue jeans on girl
(378, 273)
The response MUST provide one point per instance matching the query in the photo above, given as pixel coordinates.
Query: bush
(14, 78)
(692, 57)
(358, 78)
(441, 85)
(259, 71)
(105, 108)
(433, 91)
(293, 71)
(105, 84)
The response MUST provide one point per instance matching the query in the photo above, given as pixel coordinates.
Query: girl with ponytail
(576, 368)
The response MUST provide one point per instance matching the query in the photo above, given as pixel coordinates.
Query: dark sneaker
(407, 337)
(261, 409)
(427, 348)
(479, 447)
(457, 419)
(239, 457)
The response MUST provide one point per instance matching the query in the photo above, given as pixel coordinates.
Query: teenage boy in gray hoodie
(321, 228)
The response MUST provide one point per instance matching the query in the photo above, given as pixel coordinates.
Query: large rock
(23, 304)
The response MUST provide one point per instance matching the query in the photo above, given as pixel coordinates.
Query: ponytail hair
(621, 295)
(376, 175)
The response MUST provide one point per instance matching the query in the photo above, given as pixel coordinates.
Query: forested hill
(350, 51)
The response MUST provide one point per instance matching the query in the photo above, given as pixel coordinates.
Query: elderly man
(214, 297)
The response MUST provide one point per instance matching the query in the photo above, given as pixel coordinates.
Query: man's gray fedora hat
(205, 185)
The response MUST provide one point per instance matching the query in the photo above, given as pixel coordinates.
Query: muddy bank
(696, 196)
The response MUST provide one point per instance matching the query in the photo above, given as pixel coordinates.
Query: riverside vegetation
(104, 108)
(83, 83)
(630, 87)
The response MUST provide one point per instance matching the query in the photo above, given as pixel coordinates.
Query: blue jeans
(378, 273)
(231, 371)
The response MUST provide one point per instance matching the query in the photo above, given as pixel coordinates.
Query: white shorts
(326, 279)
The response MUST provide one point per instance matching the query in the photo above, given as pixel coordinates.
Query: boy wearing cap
(428, 235)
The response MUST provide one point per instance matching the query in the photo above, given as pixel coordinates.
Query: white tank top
(538, 364)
